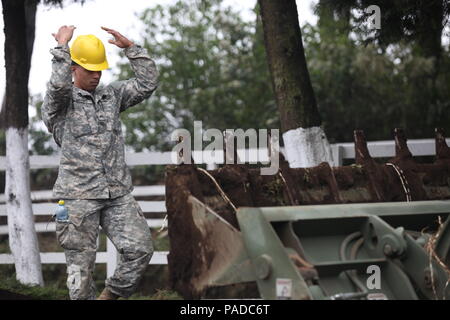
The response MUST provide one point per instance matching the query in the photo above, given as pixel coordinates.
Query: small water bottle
(62, 215)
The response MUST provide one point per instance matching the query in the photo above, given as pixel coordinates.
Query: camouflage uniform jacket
(88, 129)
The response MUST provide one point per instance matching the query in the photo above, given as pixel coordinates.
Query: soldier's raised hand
(119, 40)
(64, 34)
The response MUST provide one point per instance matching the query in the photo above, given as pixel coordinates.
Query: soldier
(93, 179)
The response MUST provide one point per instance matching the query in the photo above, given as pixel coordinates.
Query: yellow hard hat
(89, 52)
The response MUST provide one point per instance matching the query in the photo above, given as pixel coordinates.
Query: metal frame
(406, 267)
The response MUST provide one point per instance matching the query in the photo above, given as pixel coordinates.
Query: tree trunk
(305, 142)
(19, 21)
(429, 33)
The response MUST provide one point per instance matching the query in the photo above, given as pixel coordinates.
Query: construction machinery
(365, 231)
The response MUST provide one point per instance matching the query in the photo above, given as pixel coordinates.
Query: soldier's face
(86, 79)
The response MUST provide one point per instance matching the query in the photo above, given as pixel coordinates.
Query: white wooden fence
(382, 149)
(109, 256)
(341, 151)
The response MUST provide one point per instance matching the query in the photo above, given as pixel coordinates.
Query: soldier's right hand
(64, 34)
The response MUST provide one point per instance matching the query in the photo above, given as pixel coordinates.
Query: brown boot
(107, 295)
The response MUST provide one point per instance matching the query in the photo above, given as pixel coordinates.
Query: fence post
(336, 151)
(211, 166)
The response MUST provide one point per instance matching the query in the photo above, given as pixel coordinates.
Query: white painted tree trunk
(307, 147)
(22, 234)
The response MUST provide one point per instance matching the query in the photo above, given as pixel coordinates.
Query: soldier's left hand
(119, 40)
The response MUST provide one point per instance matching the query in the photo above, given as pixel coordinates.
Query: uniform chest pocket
(106, 112)
(82, 119)
(80, 129)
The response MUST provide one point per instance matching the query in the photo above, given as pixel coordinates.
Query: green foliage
(4, 245)
(165, 295)
(212, 69)
(34, 292)
(58, 3)
(41, 142)
(418, 22)
(365, 87)
(160, 240)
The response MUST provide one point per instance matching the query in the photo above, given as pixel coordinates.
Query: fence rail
(109, 256)
(340, 151)
(383, 149)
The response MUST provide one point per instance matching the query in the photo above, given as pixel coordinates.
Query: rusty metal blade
(225, 260)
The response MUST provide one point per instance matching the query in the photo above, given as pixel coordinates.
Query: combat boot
(107, 295)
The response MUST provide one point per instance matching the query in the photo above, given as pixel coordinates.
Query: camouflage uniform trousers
(124, 224)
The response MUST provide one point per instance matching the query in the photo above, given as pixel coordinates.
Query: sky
(110, 13)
